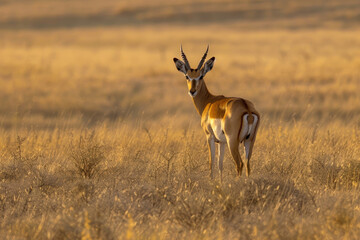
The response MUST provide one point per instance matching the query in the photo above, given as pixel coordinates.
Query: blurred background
(80, 63)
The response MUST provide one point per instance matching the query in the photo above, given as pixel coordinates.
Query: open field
(100, 140)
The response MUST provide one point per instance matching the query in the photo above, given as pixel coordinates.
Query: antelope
(225, 120)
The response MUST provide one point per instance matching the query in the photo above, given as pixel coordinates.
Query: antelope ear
(180, 65)
(208, 66)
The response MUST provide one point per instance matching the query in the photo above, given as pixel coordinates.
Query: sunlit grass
(157, 183)
(100, 140)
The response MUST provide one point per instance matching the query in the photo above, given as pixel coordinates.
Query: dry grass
(99, 139)
(156, 184)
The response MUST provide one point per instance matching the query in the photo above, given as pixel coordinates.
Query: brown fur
(231, 110)
(193, 73)
(221, 117)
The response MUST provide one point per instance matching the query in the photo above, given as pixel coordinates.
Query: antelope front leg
(211, 145)
(221, 150)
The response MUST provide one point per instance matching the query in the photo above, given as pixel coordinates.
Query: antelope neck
(202, 98)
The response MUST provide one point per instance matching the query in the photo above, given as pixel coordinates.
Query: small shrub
(18, 164)
(194, 213)
(87, 156)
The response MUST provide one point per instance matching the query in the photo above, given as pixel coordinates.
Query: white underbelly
(218, 129)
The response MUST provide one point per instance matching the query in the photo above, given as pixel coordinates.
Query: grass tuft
(86, 155)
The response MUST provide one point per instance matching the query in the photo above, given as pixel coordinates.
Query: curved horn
(203, 58)
(184, 57)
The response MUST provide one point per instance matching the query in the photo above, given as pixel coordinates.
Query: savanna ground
(99, 139)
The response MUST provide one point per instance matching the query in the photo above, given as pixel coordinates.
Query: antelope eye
(187, 77)
(201, 77)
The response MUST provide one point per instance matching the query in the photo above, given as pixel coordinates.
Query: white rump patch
(247, 129)
(217, 128)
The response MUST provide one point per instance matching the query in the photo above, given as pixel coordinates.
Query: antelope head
(194, 76)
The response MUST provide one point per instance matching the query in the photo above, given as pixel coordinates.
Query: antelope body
(225, 120)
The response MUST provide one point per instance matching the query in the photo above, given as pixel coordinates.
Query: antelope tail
(250, 120)
(246, 126)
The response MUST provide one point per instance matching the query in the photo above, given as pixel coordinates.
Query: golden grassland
(99, 138)
(128, 183)
(119, 72)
